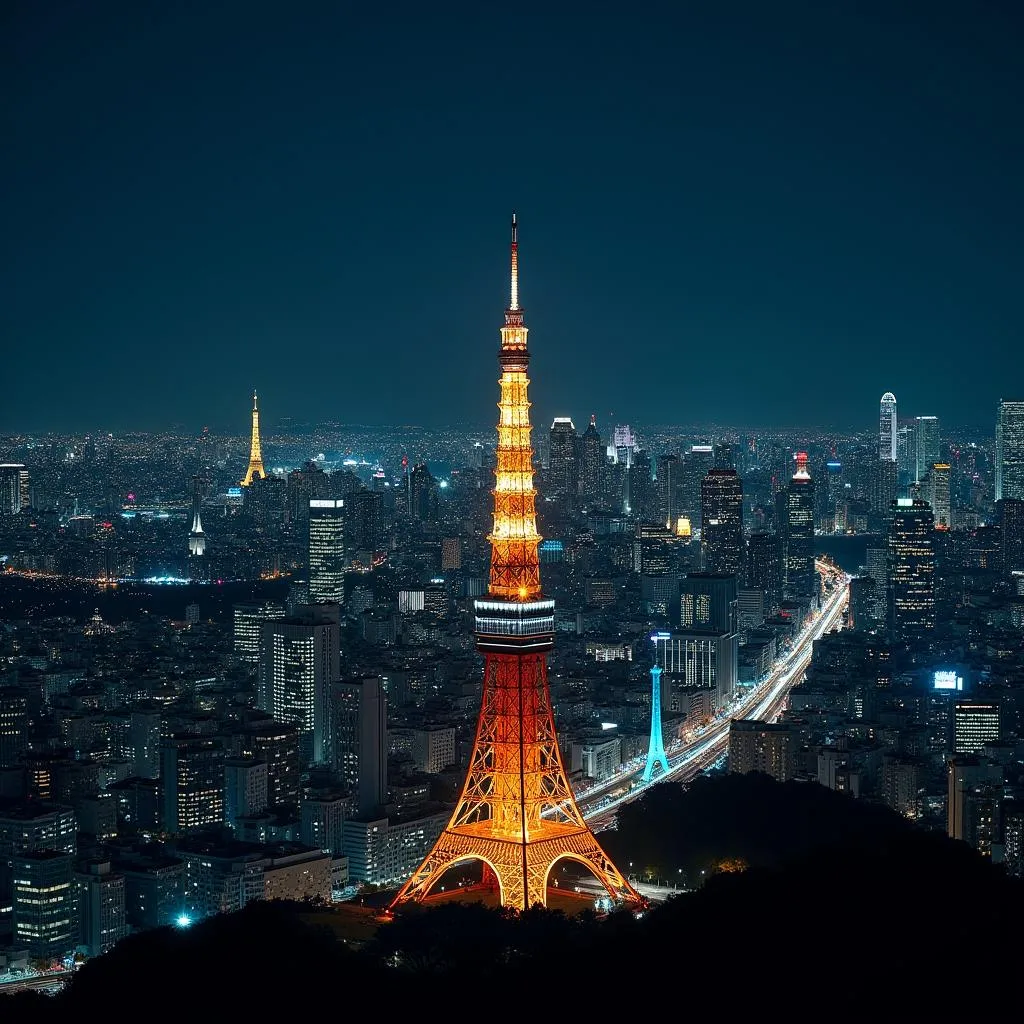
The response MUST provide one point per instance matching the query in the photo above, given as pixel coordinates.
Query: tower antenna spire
(515, 265)
(517, 812)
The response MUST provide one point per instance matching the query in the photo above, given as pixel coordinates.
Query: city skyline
(326, 236)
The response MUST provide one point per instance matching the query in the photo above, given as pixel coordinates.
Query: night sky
(755, 213)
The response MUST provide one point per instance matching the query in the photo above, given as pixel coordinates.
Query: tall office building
(801, 577)
(926, 445)
(14, 724)
(695, 466)
(643, 498)
(563, 466)
(192, 779)
(45, 904)
(911, 569)
(1009, 514)
(248, 622)
(101, 907)
(327, 550)
(887, 427)
(15, 495)
(758, 746)
(422, 494)
(975, 723)
(245, 789)
(722, 518)
(764, 568)
(937, 491)
(366, 519)
(906, 455)
(668, 468)
(277, 745)
(299, 659)
(974, 793)
(707, 601)
(592, 460)
(359, 710)
(1010, 449)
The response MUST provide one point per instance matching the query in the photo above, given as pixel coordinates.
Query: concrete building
(756, 746)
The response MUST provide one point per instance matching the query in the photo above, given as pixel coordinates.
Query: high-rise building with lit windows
(911, 569)
(801, 577)
(327, 550)
(592, 460)
(360, 740)
(926, 445)
(721, 535)
(563, 466)
(937, 491)
(299, 659)
(1010, 449)
(975, 723)
(192, 779)
(15, 494)
(887, 427)
(45, 903)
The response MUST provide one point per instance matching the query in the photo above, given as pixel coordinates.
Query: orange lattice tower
(516, 813)
(255, 470)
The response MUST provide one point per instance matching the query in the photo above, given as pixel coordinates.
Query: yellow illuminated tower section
(255, 454)
(517, 813)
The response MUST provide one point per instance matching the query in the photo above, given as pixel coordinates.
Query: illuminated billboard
(947, 679)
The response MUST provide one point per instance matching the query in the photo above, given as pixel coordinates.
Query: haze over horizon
(753, 216)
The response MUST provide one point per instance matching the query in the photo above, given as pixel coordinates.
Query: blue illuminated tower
(656, 750)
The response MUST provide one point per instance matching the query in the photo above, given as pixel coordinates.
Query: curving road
(699, 751)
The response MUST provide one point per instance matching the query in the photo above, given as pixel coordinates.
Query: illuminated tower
(656, 749)
(196, 537)
(516, 813)
(255, 454)
(887, 427)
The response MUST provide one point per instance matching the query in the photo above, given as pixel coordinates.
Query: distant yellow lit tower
(517, 813)
(255, 454)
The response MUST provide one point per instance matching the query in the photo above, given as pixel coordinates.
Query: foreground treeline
(808, 895)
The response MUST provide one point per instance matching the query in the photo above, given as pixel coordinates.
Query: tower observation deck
(516, 813)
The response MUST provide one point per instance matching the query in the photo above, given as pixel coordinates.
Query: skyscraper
(721, 535)
(887, 427)
(192, 773)
(937, 492)
(926, 445)
(696, 463)
(14, 488)
(592, 459)
(327, 550)
(366, 512)
(1010, 514)
(563, 467)
(45, 904)
(668, 487)
(801, 578)
(911, 569)
(360, 740)
(764, 567)
(1010, 449)
(299, 659)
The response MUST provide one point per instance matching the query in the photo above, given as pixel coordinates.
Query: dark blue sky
(748, 212)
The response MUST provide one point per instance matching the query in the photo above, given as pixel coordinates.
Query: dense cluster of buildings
(920, 705)
(314, 740)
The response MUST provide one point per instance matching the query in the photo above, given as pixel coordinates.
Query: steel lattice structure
(656, 748)
(255, 453)
(517, 813)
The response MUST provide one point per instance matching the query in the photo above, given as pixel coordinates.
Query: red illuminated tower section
(516, 813)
